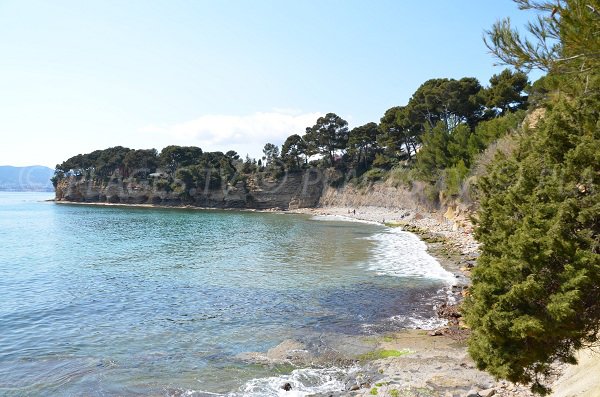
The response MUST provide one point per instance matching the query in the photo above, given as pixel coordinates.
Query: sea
(124, 301)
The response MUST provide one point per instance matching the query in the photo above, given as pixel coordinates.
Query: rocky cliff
(306, 189)
(411, 201)
(293, 190)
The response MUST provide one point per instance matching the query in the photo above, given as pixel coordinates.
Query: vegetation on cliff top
(435, 138)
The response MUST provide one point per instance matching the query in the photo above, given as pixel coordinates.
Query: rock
(295, 190)
(448, 310)
(437, 332)
(287, 386)
(288, 350)
(472, 393)
(487, 392)
(354, 387)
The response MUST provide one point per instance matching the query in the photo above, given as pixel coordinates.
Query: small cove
(137, 301)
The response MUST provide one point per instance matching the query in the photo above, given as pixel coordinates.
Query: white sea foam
(399, 253)
(413, 322)
(304, 382)
(403, 254)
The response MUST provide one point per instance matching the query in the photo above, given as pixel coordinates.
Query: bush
(453, 178)
(373, 175)
(535, 297)
(402, 176)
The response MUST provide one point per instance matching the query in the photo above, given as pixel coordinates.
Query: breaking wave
(303, 382)
(402, 254)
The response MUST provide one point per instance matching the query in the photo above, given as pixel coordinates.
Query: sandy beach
(460, 237)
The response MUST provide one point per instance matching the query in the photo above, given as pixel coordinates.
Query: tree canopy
(293, 149)
(505, 91)
(328, 135)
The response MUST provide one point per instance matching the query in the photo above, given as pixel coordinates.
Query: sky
(76, 76)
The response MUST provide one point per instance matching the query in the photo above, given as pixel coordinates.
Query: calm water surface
(107, 301)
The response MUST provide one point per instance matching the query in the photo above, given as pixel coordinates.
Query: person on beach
(354, 212)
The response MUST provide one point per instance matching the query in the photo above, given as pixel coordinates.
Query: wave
(399, 253)
(303, 382)
(402, 254)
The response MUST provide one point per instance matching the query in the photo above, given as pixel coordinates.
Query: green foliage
(362, 143)
(434, 154)
(402, 176)
(535, 296)
(454, 177)
(458, 145)
(448, 101)
(173, 157)
(327, 136)
(374, 174)
(382, 161)
(443, 121)
(99, 163)
(489, 131)
(292, 151)
(400, 132)
(186, 169)
(271, 153)
(249, 166)
(140, 163)
(233, 155)
(504, 93)
(163, 184)
(562, 40)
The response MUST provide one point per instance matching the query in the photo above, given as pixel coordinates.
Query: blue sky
(82, 75)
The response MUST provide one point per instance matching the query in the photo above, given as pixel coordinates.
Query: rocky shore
(431, 363)
(436, 362)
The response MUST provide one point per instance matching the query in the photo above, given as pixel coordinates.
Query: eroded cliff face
(292, 191)
(306, 189)
(401, 199)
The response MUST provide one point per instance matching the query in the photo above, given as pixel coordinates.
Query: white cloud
(245, 134)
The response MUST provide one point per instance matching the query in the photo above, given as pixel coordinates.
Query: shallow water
(104, 301)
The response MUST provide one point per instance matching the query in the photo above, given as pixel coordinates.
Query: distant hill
(34, 178)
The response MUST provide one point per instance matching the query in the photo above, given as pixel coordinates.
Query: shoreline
(454, 248)
(159, 206)
(418, 223)
(428, 348)
(438, 363)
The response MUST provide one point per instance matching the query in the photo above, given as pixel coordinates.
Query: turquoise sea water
(112, 301)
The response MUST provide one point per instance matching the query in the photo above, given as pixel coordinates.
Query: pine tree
(535, 296)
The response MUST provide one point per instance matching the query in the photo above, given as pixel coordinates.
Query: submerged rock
(288, 351)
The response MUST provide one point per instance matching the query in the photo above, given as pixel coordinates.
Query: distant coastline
(25, 190)
(35, 178)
